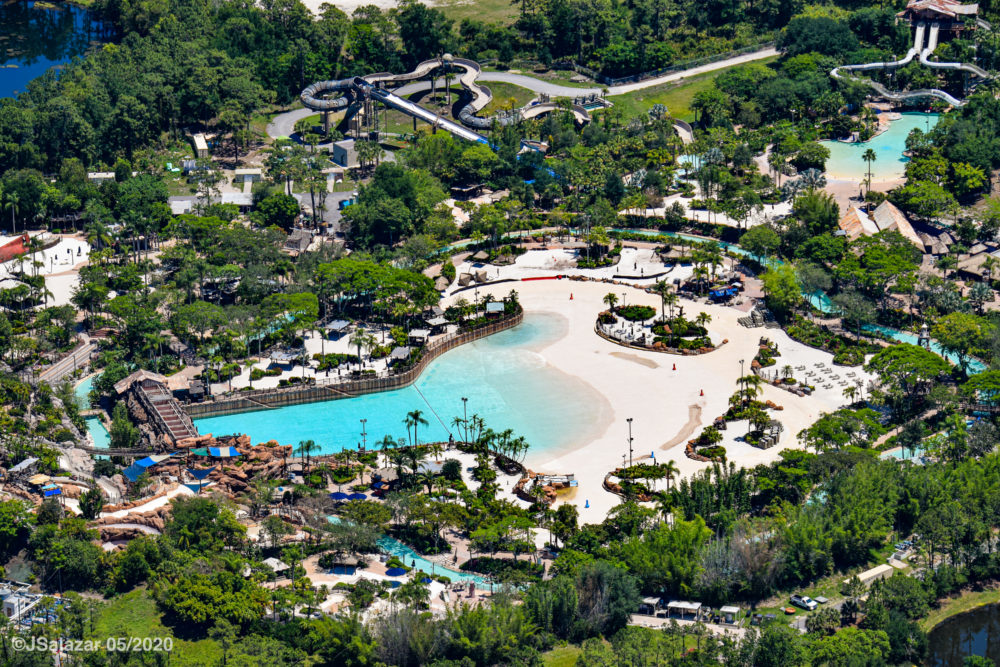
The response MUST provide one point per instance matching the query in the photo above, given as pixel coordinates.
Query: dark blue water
(37, 36)
(976, 632)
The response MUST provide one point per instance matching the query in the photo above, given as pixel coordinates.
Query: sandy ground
(348, 6)
(60, 265)
(767, 213)
(667, 405)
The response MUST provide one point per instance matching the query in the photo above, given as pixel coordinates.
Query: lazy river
(508, 383)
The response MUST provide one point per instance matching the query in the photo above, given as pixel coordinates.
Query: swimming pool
(412, 559)
(845, 158)
(973, 366)
(508, 383)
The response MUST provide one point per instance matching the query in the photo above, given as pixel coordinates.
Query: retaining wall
(268, 399)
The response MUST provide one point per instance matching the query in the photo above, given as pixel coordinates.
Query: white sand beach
(666, 405)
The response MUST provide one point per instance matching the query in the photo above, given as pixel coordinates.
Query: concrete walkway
(283, 125)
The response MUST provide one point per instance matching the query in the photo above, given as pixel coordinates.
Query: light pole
(364, 435)
(629, 420)
(740, 381)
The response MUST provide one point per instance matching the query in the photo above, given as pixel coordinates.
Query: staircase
(167, 412)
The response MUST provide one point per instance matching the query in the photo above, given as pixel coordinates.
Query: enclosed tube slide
(371, 86)
(917, 48)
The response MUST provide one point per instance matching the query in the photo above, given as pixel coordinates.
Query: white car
(804, 602)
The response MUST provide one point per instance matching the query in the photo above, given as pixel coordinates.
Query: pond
(975, 632)
(845, 158)
(37, 36)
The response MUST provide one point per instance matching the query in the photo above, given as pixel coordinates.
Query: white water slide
(917, 48)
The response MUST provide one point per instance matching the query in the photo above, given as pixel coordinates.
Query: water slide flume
(924, 52)
(372, 86)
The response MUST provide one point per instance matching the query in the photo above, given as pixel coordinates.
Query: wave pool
(508, 383)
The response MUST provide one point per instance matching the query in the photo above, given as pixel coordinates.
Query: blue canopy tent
(223, 452)
(199, 475)
(134, 471)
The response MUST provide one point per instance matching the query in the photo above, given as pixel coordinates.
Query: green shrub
(635, 313)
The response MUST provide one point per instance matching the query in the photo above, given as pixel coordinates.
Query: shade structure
(223, 452)
(357, 496)
(395, 572)
(339, 495)
(200, 474)
(426, 580)
(200, 451)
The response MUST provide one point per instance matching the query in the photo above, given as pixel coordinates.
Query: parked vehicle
(805, 602)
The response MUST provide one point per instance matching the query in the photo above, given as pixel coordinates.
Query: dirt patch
(648, 363)
(694, 420)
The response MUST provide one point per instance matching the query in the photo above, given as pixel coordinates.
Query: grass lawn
(135, 615)
(561, 656)
(967, 601)
(503, 93)
(676, 96)
(488, 11)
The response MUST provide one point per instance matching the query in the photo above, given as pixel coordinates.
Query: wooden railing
(323, 390)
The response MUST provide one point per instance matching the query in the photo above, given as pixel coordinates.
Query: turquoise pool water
(902, 454)
(412, 559)
(97, 431)
(508, 384)
(973, 366)
(82, 393)
(845, 159)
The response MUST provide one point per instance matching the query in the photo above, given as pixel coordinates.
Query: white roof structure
(886, 217)
(275, 564)
(729, 609)
(683, 605)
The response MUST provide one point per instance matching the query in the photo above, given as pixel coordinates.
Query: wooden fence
(267, 399)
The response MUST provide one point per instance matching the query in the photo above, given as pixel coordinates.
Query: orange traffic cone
(701, 392)
(570, 296)
(675, 367)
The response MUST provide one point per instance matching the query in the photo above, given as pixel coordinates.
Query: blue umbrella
(339, 495)
(357, 496)
(426, 580)
(395, 572)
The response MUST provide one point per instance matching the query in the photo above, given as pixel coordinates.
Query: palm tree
(850, 392)
(670, 469)
(359, 339)
(611, 299)
(306, 448)
(436, 449)
(869, 156)
(387, 444)
(703, 319)
(662, 289)
(11, 200)
(414, 418)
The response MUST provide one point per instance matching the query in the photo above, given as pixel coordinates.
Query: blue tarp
(133, 471)
(200, 474)
(52, 492)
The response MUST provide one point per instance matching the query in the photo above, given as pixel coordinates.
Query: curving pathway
(283, 125)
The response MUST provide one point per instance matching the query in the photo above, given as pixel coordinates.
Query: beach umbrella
(395, 572)
(357, 496)
(339, 495)
(426, 580)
